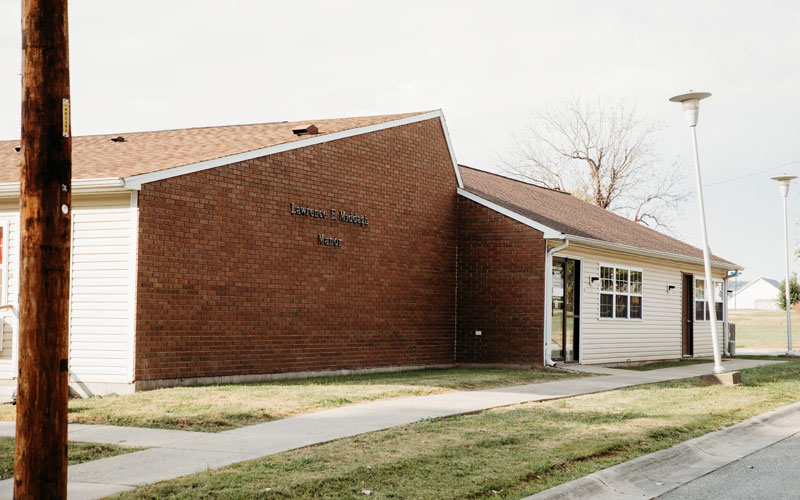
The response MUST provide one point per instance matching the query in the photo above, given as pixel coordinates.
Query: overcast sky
(149, 65)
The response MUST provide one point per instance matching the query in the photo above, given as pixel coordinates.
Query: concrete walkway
(688, 470)
(176, 453)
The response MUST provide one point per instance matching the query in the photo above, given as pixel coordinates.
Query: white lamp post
(691, 109)
(783, 185)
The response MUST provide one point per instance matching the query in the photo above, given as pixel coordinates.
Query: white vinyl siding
(102, 285)
(658, 334)
(9, 214)
(102, 276)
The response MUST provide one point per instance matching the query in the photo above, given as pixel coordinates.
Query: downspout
(548, 300)
(725, 332)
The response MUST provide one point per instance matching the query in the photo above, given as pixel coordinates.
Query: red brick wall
(231, 283)
(500, 288)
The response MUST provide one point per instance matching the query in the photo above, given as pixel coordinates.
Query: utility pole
(40, 454)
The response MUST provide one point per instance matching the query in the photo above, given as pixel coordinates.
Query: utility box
(732, 339)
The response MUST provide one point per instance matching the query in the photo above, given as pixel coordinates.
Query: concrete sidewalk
(177, 453)
(660, 473)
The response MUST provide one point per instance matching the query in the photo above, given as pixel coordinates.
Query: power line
(752, 174)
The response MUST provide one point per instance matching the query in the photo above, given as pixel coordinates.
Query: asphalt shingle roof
(571, 216)
(97, 156)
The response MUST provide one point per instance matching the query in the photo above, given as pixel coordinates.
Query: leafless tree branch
(603, 152)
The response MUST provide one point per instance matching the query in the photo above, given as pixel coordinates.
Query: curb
(652, 475)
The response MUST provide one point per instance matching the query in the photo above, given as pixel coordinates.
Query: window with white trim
(701, 311)
(620, 292)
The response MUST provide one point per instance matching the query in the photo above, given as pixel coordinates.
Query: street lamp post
(691, 109)
(783, 185)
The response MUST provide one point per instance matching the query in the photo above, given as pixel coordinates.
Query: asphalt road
(769, 474)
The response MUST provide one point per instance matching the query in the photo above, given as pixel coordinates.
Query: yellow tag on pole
(65, 117)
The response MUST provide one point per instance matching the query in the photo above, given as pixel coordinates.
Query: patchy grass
(505, 453)
(221, 407)
(664, 364)
(761, 329)
(77, 453)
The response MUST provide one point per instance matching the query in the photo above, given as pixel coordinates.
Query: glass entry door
(566, 310)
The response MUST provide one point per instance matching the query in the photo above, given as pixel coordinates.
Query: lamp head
(691, 105)
(783, 183)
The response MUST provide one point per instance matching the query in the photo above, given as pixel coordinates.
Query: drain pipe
(725, 328)
(548, 301)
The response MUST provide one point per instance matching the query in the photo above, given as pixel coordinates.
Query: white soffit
(136, 181)
(79, 186)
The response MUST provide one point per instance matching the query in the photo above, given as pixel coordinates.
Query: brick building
(258, 251)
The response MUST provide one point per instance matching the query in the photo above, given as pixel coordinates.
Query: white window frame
(614, 293)
(705, 302)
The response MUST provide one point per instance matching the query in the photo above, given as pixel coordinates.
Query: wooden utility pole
(40, 454)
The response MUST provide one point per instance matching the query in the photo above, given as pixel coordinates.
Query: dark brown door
(687, 317)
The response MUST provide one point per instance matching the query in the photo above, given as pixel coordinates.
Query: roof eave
(79, 186)
(553, 234)
(606, 245)
(136, 181)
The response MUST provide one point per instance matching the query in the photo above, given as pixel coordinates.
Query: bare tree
(603, 153)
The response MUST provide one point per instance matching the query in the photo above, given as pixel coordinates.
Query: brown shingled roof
(569, 215)
(97, 156)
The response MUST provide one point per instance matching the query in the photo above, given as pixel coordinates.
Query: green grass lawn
(221, 407)
(76, 453)
(505, 453)
(761, 329)
(664, 364)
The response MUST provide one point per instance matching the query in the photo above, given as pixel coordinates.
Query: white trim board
(548, 232)
(136, 181)
(134, 284)
(450, 150)
(605, 245)
(79, 186)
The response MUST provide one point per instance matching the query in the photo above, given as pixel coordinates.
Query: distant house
(761, 293)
